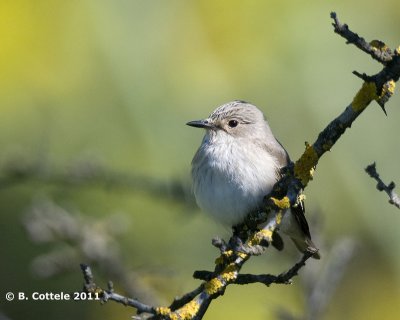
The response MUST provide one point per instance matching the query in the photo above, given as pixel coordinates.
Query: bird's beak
(206, 124)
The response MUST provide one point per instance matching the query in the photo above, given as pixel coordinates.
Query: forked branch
(381, 186)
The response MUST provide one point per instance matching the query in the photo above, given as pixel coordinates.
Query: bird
(237, 164)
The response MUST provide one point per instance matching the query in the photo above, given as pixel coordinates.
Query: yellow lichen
(188, 311)
(213, 286)
(364, 96)
(278, 217)
(242, 255)
(387, 89)
(265, 233)
(230, 272)
(391, 85)
(304, 167)
(259, 236)
(163, 311)
(221, 258)
(283, 203)
(378, 45)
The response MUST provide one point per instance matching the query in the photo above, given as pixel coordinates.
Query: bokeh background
(95, 155)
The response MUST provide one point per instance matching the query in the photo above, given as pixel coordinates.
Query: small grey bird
(237, 164)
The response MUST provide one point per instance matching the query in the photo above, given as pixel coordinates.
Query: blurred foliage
(113, 82)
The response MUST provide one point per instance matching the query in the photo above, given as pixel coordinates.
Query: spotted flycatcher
(237, 164)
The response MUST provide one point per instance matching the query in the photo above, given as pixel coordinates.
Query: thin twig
(267, 279)
(380, 55)
(381, 186)
(181, 301)
(105, 295)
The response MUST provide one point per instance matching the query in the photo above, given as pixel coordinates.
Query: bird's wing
(298, 212)
(280, 154)
(278, 151)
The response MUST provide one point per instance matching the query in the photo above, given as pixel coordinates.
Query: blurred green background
(94, 97)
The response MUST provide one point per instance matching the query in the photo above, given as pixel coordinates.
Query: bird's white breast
(230, 179)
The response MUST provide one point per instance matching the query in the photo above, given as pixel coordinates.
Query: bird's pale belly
(229, 199)
(231, 180)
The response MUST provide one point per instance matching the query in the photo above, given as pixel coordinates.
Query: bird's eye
(233, 123)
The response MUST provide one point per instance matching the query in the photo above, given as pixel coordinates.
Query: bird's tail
(306, 245)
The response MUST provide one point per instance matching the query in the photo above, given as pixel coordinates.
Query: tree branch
(105, 295)
(373, 48)
(381, 186)
(379, 88)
